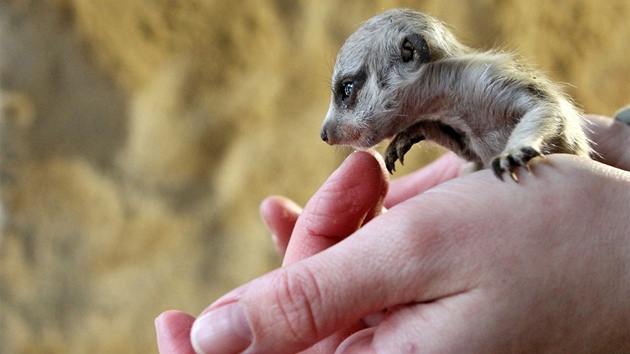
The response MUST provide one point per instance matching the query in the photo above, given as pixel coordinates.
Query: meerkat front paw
(399, 146)
(509, 161)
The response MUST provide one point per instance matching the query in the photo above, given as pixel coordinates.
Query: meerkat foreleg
(430, 130)
(401, 144)
(532, 136)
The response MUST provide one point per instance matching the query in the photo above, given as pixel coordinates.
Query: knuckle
(298, 299)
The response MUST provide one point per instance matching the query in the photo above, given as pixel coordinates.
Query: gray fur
(486, 106)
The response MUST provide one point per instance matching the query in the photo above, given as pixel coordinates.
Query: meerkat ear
(415, 48)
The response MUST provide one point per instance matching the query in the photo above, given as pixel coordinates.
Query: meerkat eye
(347, 90)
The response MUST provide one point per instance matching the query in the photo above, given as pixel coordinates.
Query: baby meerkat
(403, 75)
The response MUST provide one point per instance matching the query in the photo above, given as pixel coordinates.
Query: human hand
(515, 265)
(346, 201)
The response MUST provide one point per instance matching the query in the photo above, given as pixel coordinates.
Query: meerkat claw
(509, 162)
(391, 155)
(496, 168)
(390, 160)
(398, 147)
(529, 153)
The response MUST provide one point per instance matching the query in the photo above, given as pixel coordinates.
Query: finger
(448, 325)
(339, 207)
(443, 169)
(371, 187)
(379, 207)
(611, 141)
(330, 344)
(173, 332)
(362, 342)
(280, 215)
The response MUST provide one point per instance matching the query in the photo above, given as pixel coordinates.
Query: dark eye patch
(346, 90)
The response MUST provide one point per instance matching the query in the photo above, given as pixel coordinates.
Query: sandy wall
(138, 137)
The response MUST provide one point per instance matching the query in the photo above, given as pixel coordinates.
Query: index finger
(353, 193)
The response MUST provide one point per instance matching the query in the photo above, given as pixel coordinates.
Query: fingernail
(224, 330)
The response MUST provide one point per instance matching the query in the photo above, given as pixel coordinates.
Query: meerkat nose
(324, 135)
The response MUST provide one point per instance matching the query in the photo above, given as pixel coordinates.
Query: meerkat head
(374, 66)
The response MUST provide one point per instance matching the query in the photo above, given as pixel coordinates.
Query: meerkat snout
(324, 135)
(403, 75)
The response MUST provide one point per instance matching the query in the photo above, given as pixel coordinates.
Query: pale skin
(467, 264)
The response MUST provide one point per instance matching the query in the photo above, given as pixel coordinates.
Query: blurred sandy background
(139, 136)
